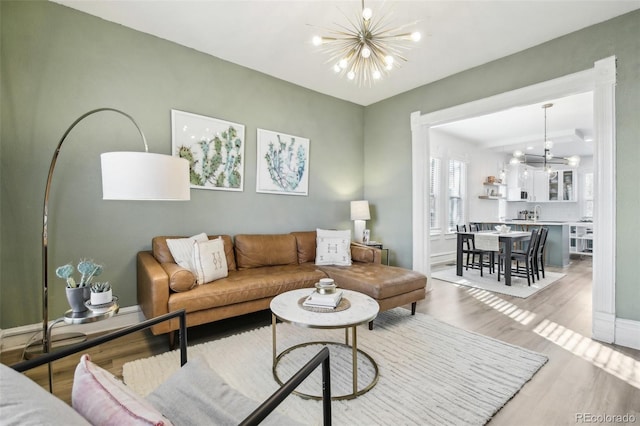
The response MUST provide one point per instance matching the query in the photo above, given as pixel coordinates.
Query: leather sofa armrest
(365, 254)
(153, 289)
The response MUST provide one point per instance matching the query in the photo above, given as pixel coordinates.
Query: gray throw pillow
(196, 395)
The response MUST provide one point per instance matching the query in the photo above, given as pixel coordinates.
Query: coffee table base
(354, 356)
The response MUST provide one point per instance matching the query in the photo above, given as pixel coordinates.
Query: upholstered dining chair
(527, 257)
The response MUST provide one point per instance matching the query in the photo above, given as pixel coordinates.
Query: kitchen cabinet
(519, 182)
(581, 238)
(561, 187)
(540, 186)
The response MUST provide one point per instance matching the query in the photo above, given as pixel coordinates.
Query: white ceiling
(274, 37)
(569, 127)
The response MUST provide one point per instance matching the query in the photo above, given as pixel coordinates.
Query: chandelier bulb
(351, 75)
(343, 63)
(377, 75)
(367, 13)
(416, 36)
(365, 52)
(317, 40)
(337, 68)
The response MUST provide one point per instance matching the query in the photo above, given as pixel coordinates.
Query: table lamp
(359, 214)
(125, 176)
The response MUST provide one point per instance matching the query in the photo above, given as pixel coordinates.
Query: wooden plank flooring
(582, 376)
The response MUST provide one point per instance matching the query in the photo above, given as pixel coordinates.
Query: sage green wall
(57, 64)
(388, 135)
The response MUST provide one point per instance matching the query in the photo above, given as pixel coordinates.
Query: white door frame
(601, 80)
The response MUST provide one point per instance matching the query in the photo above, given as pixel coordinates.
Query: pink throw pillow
(104, 400)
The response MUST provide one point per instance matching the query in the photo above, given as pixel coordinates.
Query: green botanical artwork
(213, 148)
(283, 162)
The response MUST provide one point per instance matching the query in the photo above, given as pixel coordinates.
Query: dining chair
(538, 261)
(527, 256)
(485, 258)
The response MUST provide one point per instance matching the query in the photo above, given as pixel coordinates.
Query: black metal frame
(254, 418)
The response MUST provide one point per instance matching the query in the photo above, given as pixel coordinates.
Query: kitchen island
(557, 246)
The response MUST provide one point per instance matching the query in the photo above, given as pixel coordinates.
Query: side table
(378, 245)
(85, 317)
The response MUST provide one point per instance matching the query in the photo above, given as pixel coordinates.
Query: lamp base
(358, 230)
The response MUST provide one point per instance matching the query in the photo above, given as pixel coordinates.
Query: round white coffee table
(287, 307)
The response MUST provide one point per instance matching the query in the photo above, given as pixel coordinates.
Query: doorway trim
(601, 80)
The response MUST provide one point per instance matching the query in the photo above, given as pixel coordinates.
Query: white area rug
(431, 373)
(489, 282)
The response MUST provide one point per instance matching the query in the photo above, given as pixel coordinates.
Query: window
(457, 193)
(434, 195)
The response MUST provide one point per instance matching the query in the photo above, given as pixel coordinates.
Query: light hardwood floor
(583, 377)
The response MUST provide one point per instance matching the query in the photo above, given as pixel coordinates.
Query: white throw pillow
(333, 247)
(209, 261)
(182, 249)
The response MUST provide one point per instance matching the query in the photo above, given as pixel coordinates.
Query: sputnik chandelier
(547, 158)
(366, 49)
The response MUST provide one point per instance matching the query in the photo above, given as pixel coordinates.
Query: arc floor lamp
(125, 176)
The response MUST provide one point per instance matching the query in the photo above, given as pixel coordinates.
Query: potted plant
(101, 293)
(79, 292)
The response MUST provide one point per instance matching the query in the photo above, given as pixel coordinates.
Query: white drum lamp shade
(359, 214)
(144, 176)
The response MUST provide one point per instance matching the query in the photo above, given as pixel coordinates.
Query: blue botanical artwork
(283, 163)
(214, 149)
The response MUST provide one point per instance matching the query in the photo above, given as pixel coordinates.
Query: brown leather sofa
(260, 267)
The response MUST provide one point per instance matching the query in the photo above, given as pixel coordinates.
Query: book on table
(318, 300)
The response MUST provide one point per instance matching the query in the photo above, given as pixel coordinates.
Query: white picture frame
(213, 147)
(282, 163)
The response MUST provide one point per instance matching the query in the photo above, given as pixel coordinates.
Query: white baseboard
(19, 337)
(603, 327)
(628, 333)
(442, 258)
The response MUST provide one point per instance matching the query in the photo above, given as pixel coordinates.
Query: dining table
(505, 239)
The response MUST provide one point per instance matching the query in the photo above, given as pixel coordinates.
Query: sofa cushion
(104, 400)
(24, 402)
(362, 253)
(247, 285)
(376, 280)
(182, 249)
(209, 261)
(306, 244)
(196, 395)
(161, 252)
(257, 250)
(333, 247)
(180, 279)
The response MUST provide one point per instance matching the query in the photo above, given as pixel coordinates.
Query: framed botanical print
(213, 147)
(283, 163)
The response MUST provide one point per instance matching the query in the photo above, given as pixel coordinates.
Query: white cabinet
(561, 187)
(540, 186)
(581, 238)
(519, 182)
